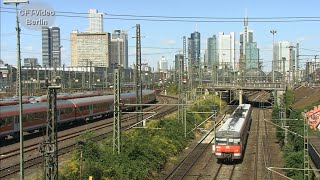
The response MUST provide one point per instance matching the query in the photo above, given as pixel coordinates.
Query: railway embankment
(296, 101)
(144, 151)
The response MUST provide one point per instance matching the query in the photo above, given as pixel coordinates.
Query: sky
(166, 37)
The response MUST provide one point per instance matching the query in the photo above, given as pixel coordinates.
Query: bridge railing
(252, 85)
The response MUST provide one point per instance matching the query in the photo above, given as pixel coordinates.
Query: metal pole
(117, 111)
(138, 82)
(273, 54)
(90, 76)
(19, 89)
(80, 168)
(315, 68)
(297, 64)
(306, 149)
(49, 148)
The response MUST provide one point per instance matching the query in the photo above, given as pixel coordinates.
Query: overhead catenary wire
(192, 19)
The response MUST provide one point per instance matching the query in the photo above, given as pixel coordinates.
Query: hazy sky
(167, 36)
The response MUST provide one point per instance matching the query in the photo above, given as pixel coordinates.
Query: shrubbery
(293, 150)
(144, 152)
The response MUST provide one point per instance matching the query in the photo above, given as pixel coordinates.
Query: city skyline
(167, 41)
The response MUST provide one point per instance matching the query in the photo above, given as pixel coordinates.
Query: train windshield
(233, 141)
(221, 141)
(227, 141)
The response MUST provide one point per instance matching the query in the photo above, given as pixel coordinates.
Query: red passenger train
(231, 138)
(35, 115)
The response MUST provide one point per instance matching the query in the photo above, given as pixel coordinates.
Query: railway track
(224, 171)
(186, 164)
(67, 142)
(266, 148)
(182, 170)
(256, 157)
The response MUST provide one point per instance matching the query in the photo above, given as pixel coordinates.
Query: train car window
(30, 117)
(36, 116)
(24, 118)
(70, 110)
(44, 115)
(9, 120)
(2, 122)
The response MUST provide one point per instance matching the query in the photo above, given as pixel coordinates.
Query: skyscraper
(177, 59)
(163, 64)
(90, 47)
(194, 49)
(56, 48)
(119, 40)
(226, 50)
(212, 51)
(249, 39)
(282, 57)
(46, 46)
(51, 49)
(252, 55)
(95, 21)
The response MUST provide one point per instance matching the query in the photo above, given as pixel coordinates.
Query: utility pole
(297, 79)
(69, 78)
(19, 87)
(38, 78)
(54, 73)
(83, 78)
(184, 81)
(138, 83)
(273, 54)
(291, 65)
(180, 86)
(306, 148)
(49, 148)
(117, 111)
(90, 76)
(315, 68)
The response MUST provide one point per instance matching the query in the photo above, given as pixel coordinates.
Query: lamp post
(273, 55)
(19, 88)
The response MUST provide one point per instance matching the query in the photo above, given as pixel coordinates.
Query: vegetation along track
(66, 142)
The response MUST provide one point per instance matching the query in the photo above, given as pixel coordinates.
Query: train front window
(233, 141)
(221, 141)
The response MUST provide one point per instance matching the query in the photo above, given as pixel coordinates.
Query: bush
(143, 151)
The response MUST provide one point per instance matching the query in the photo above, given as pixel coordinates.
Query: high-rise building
(90, 47)
(163, 64)
(252, 55)
(30, 62)
(194, 49)
(249, 39)
(226, 50)
(95, 21)
(212, 51)
(51, 49)
(177, 59)
(119, 40)
(282, 63)
(56, 48)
